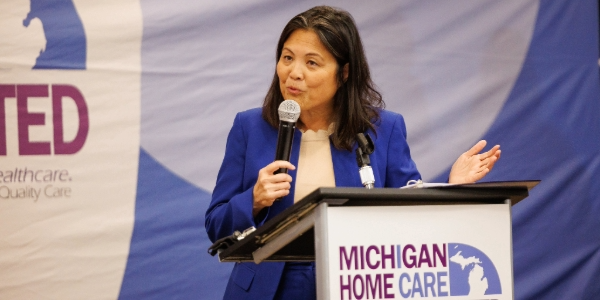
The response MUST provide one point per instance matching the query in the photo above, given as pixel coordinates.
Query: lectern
(450, 241)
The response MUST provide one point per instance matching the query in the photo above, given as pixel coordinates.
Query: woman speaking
(322, 66)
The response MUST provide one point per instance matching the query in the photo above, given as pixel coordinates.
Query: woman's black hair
(356, 102)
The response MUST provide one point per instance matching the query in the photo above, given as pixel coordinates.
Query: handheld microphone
(289, 112)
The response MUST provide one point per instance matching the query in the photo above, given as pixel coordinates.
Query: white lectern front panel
(426, 252)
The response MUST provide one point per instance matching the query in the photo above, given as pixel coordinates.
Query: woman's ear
(345, 71)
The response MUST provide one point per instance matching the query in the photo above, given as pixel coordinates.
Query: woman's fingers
(490, 157)
(476, 148)
(278, 164)
(277, 186)
(268, 178)
(491, 152)
(479, 175)
(472, 166)
(271, 186)
(276, 193)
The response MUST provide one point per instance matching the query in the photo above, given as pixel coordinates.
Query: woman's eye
(312, 63)
(287, 58)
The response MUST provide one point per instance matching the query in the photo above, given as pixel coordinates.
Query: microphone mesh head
(289, 111)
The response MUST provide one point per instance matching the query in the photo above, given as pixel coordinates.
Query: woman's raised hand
(472, 166)
(269, 187)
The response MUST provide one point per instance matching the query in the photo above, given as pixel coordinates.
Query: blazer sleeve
(400, 167)
(231, 205)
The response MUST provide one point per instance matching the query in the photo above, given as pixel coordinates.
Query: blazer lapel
(345, 168)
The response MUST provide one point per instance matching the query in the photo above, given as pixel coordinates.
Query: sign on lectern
(426, 252)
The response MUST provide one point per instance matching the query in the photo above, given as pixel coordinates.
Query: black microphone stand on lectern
(364, 149)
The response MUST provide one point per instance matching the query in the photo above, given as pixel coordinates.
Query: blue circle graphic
(471, 272)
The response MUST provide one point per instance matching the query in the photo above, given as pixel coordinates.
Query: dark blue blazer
(250, 147)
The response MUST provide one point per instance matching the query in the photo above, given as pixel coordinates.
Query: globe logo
(471, 272)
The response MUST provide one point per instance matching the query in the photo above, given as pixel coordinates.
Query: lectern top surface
(479, 193)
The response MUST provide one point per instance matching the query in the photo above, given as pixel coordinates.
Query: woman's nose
(296, 72)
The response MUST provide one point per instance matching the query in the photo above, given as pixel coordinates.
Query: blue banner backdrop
(548, 126)
(522, 74)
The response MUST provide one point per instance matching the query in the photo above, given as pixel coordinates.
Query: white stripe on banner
(68, 170)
